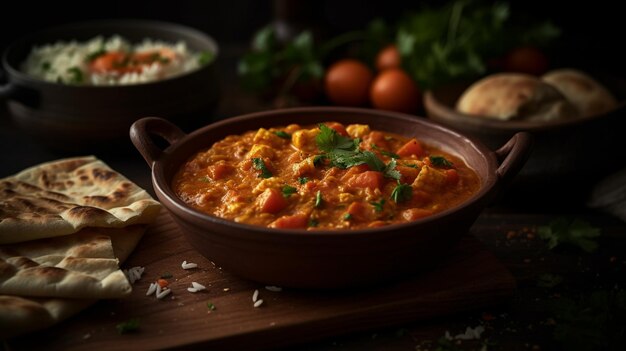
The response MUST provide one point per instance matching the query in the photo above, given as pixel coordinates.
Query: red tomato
(526, 59)
(388, 57)
(394, 90)
(347, 82)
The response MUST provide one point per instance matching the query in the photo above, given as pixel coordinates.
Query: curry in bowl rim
(491, 178)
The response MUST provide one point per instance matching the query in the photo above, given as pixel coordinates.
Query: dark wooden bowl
(66, 116)
(325, 259)
(568, 156)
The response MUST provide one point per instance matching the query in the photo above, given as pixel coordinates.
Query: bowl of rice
(84, 84)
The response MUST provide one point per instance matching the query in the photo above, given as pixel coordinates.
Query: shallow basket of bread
(573, 115)
(65, 228)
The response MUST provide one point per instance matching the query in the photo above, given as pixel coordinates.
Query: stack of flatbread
(65, 227)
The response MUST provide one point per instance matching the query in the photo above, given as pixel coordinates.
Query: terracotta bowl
(568, 156)
(69, 116)
(325, 259)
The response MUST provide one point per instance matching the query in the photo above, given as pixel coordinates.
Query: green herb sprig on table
(128, 326)
(573, 232)
(595, 321)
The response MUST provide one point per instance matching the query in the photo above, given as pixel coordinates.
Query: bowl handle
(141, 135)
(512, 156)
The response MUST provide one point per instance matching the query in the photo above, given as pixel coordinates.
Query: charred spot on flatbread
(103, 174)
(22, 262)
(50, 274)
(86, 212)
(6, 270)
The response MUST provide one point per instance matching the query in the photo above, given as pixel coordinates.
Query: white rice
(189, 265)
(274, 288)
(133, 274)
(258, 303)
(198, 286)
(255, 296)
(60, 61)
(164, 293)
(193, 290)
(152, 289)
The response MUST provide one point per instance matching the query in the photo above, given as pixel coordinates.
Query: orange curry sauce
(316, 177)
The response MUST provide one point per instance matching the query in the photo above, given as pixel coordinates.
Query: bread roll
(506, 96)
(585, 93)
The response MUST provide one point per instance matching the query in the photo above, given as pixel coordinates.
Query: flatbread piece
(20, 315)
(61, 197)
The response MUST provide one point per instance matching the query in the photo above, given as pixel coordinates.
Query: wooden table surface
(547, 280)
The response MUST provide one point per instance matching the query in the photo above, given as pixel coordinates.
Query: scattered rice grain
(158, 289)
(198, 286)
(193, 290)
(258, 303)
(151, 289)
(274, 288)
(133, 274)
(164, 293)
(189, 265)
(255, 296)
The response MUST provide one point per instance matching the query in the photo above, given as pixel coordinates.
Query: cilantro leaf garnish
(318, 199)
(287, 190)
(378, 206)
(76, 74)
(282, 134)
(318, 160)
(344, 152)
(130, 325)
(328, 140)
(94, 55)
(313, 222)
(390, 170)
(402, 192)
(260, 165)
(303, 180)
(384, 152)
(347, 216)
(576, 232)
(440, 161)
(346, 159)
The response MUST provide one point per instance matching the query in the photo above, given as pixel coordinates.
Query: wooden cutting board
(471, 278)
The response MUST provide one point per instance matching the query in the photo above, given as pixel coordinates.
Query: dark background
(592, 30)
